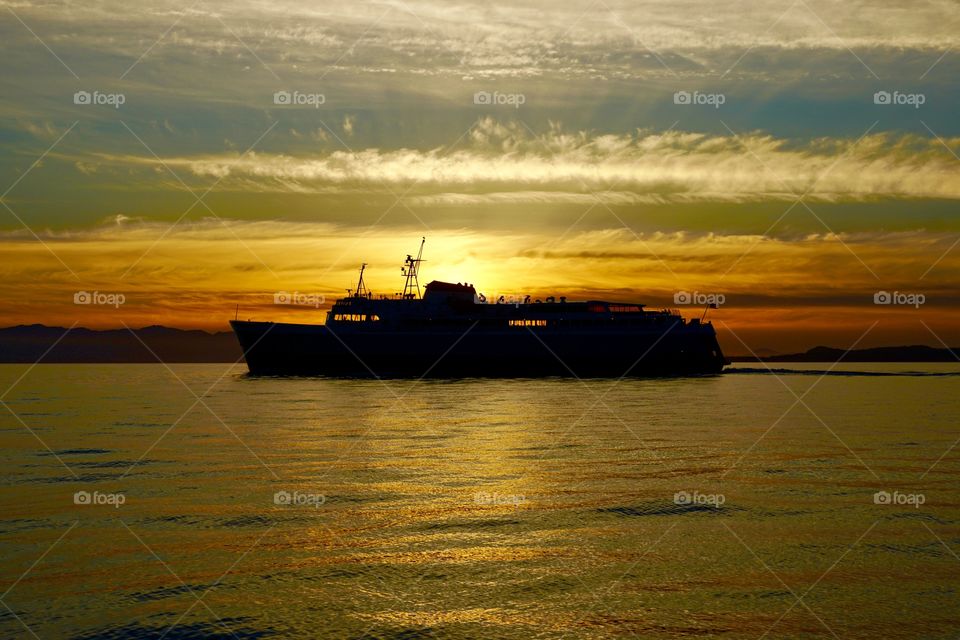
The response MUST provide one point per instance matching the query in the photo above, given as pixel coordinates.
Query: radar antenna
(411, 288)
(362, 291)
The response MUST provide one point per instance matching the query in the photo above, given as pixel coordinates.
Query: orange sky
(776, 294)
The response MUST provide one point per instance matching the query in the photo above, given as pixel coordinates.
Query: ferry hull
(472, 351)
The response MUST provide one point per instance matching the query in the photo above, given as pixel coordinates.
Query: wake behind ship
(451, 331)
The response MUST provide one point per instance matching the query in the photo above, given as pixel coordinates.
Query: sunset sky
(795, 158)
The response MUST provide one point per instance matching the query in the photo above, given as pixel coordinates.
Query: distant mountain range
(912, 353)
(30, 343)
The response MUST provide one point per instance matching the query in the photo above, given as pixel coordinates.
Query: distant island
(912, 353)
(30, 343)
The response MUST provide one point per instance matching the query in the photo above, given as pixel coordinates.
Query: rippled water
(716, 506)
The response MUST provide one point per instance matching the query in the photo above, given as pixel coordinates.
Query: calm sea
(146, 502)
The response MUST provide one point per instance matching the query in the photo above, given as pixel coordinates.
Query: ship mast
(411, 288)
(362, 291)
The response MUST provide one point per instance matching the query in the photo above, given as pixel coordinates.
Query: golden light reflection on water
(490, 509)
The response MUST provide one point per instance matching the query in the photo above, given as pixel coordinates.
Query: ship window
(355, 317)
(626, 308)
(527, 323)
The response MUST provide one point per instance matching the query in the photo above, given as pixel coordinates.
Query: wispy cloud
(204, 255)
(617, 38)
(504, 163)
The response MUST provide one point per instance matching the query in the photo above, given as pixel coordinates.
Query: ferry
(449, 330)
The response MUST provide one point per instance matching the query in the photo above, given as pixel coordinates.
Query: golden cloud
(505, 163)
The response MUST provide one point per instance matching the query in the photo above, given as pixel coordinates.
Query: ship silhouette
(451, 331)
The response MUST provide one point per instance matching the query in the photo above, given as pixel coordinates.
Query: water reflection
(494, 509)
